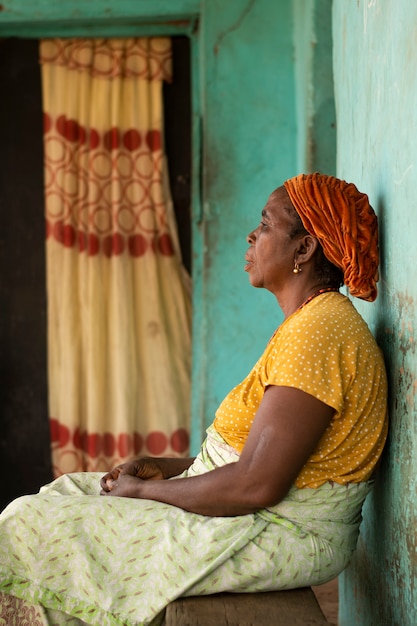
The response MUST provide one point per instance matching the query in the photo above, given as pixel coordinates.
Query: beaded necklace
(314, 295)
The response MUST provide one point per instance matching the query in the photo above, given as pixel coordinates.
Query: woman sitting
(273, 500)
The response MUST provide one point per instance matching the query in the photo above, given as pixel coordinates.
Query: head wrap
(345, 224)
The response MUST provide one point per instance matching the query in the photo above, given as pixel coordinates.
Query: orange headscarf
(345, 224)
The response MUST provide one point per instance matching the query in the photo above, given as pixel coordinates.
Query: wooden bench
(297, 607)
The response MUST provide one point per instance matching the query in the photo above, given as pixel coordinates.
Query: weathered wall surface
(248, 112)
(316, 115)
(375, 60)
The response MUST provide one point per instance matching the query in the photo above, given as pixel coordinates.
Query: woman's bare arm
(285, 432)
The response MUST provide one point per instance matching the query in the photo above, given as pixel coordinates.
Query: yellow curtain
(118, 296)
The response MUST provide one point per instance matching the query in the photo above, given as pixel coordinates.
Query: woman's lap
(110, 561)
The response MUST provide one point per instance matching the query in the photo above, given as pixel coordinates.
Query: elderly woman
(274, 498)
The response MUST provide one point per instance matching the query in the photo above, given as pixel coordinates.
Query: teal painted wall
(315, 109)
(375, 60)
(249, 126)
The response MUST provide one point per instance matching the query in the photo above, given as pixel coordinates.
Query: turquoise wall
(248, 112)
(315, 109)
(375, 61)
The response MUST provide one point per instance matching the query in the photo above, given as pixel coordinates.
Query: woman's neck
(300, 299)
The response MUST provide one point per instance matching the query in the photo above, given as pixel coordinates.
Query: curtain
(119, 344)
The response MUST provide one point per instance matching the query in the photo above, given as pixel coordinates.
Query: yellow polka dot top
(326, 350)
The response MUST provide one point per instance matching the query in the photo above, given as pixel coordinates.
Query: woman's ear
(306, 249)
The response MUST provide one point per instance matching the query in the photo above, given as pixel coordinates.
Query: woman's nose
(251, 237)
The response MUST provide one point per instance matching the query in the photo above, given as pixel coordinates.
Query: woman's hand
(148, 468)
(144, 469)
(125, 485)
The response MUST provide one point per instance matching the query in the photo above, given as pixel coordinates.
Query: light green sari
(70, 559)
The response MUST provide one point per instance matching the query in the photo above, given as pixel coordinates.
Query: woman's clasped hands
(124, 479)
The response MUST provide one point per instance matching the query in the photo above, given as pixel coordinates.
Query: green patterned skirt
(69, 556)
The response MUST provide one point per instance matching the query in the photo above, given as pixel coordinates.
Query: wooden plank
(273, 608)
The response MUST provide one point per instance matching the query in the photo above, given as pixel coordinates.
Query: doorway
(24, 442)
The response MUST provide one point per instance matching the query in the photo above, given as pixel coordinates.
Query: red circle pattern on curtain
(89, 220)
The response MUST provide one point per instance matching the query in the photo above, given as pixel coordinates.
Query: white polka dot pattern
(326, 350)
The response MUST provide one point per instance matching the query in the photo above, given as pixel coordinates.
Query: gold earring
(297, 269)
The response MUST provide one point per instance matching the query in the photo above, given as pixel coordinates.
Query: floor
(328, 598)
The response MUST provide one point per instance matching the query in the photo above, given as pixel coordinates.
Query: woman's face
(270, 257)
